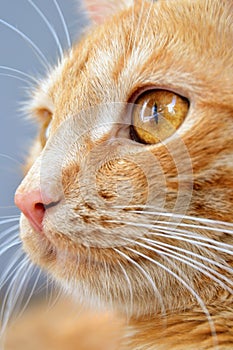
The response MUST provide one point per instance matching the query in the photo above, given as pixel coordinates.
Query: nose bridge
(41, 179)
(31, 181)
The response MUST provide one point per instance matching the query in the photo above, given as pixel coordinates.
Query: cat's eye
(157, 114)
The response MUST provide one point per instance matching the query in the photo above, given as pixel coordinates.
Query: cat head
(132, 168)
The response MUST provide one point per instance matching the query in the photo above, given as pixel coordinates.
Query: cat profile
(128, 197)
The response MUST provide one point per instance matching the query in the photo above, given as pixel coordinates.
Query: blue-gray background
(16, 133)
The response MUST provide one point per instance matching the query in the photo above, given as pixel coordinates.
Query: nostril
(40, 207)
(34, 205)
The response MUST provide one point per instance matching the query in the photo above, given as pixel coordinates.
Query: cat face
(134, 153)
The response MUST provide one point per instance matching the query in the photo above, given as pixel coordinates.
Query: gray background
(16, 133)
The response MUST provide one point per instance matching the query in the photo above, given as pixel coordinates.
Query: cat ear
(100, 10)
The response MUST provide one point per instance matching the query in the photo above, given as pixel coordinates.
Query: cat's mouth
(35, 239)
(57, 248)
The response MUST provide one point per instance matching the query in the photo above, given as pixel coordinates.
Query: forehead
(150, 43)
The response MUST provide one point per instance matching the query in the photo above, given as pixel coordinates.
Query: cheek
(112, 183)
(122, 183)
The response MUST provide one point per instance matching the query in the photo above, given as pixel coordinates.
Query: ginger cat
(128, 202)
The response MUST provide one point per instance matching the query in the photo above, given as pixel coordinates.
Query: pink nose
(33, 206)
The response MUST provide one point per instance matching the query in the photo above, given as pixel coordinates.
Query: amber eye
(157, 114)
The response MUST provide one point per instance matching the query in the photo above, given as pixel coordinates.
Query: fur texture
(130, 230)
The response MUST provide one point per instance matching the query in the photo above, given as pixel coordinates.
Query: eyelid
(147, 88)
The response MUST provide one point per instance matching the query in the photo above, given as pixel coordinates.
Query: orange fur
(92, 167)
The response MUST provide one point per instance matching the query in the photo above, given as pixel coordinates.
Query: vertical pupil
(155, 113)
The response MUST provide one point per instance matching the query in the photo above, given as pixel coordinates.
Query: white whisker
(13, 293)
(48, 291)
(35, 48)
(63, 23)
(186, 285)
(14, 70)
(14, 234)
(129, 285)
(7, 207)
(50, 27)
(179, 216)
(10, 243)
(131, 34)
(20, 286)
(186, 260)
(11, 268)
(188, 235)
(215, 246)
(16, 77)
(147, 276)
(52, 301)
(201, 257)
(175, 234)
(8, 220)
(137, 30)
(183, 224)
(10, 229)
(9, 216)
(32, 291)
(142, 33)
